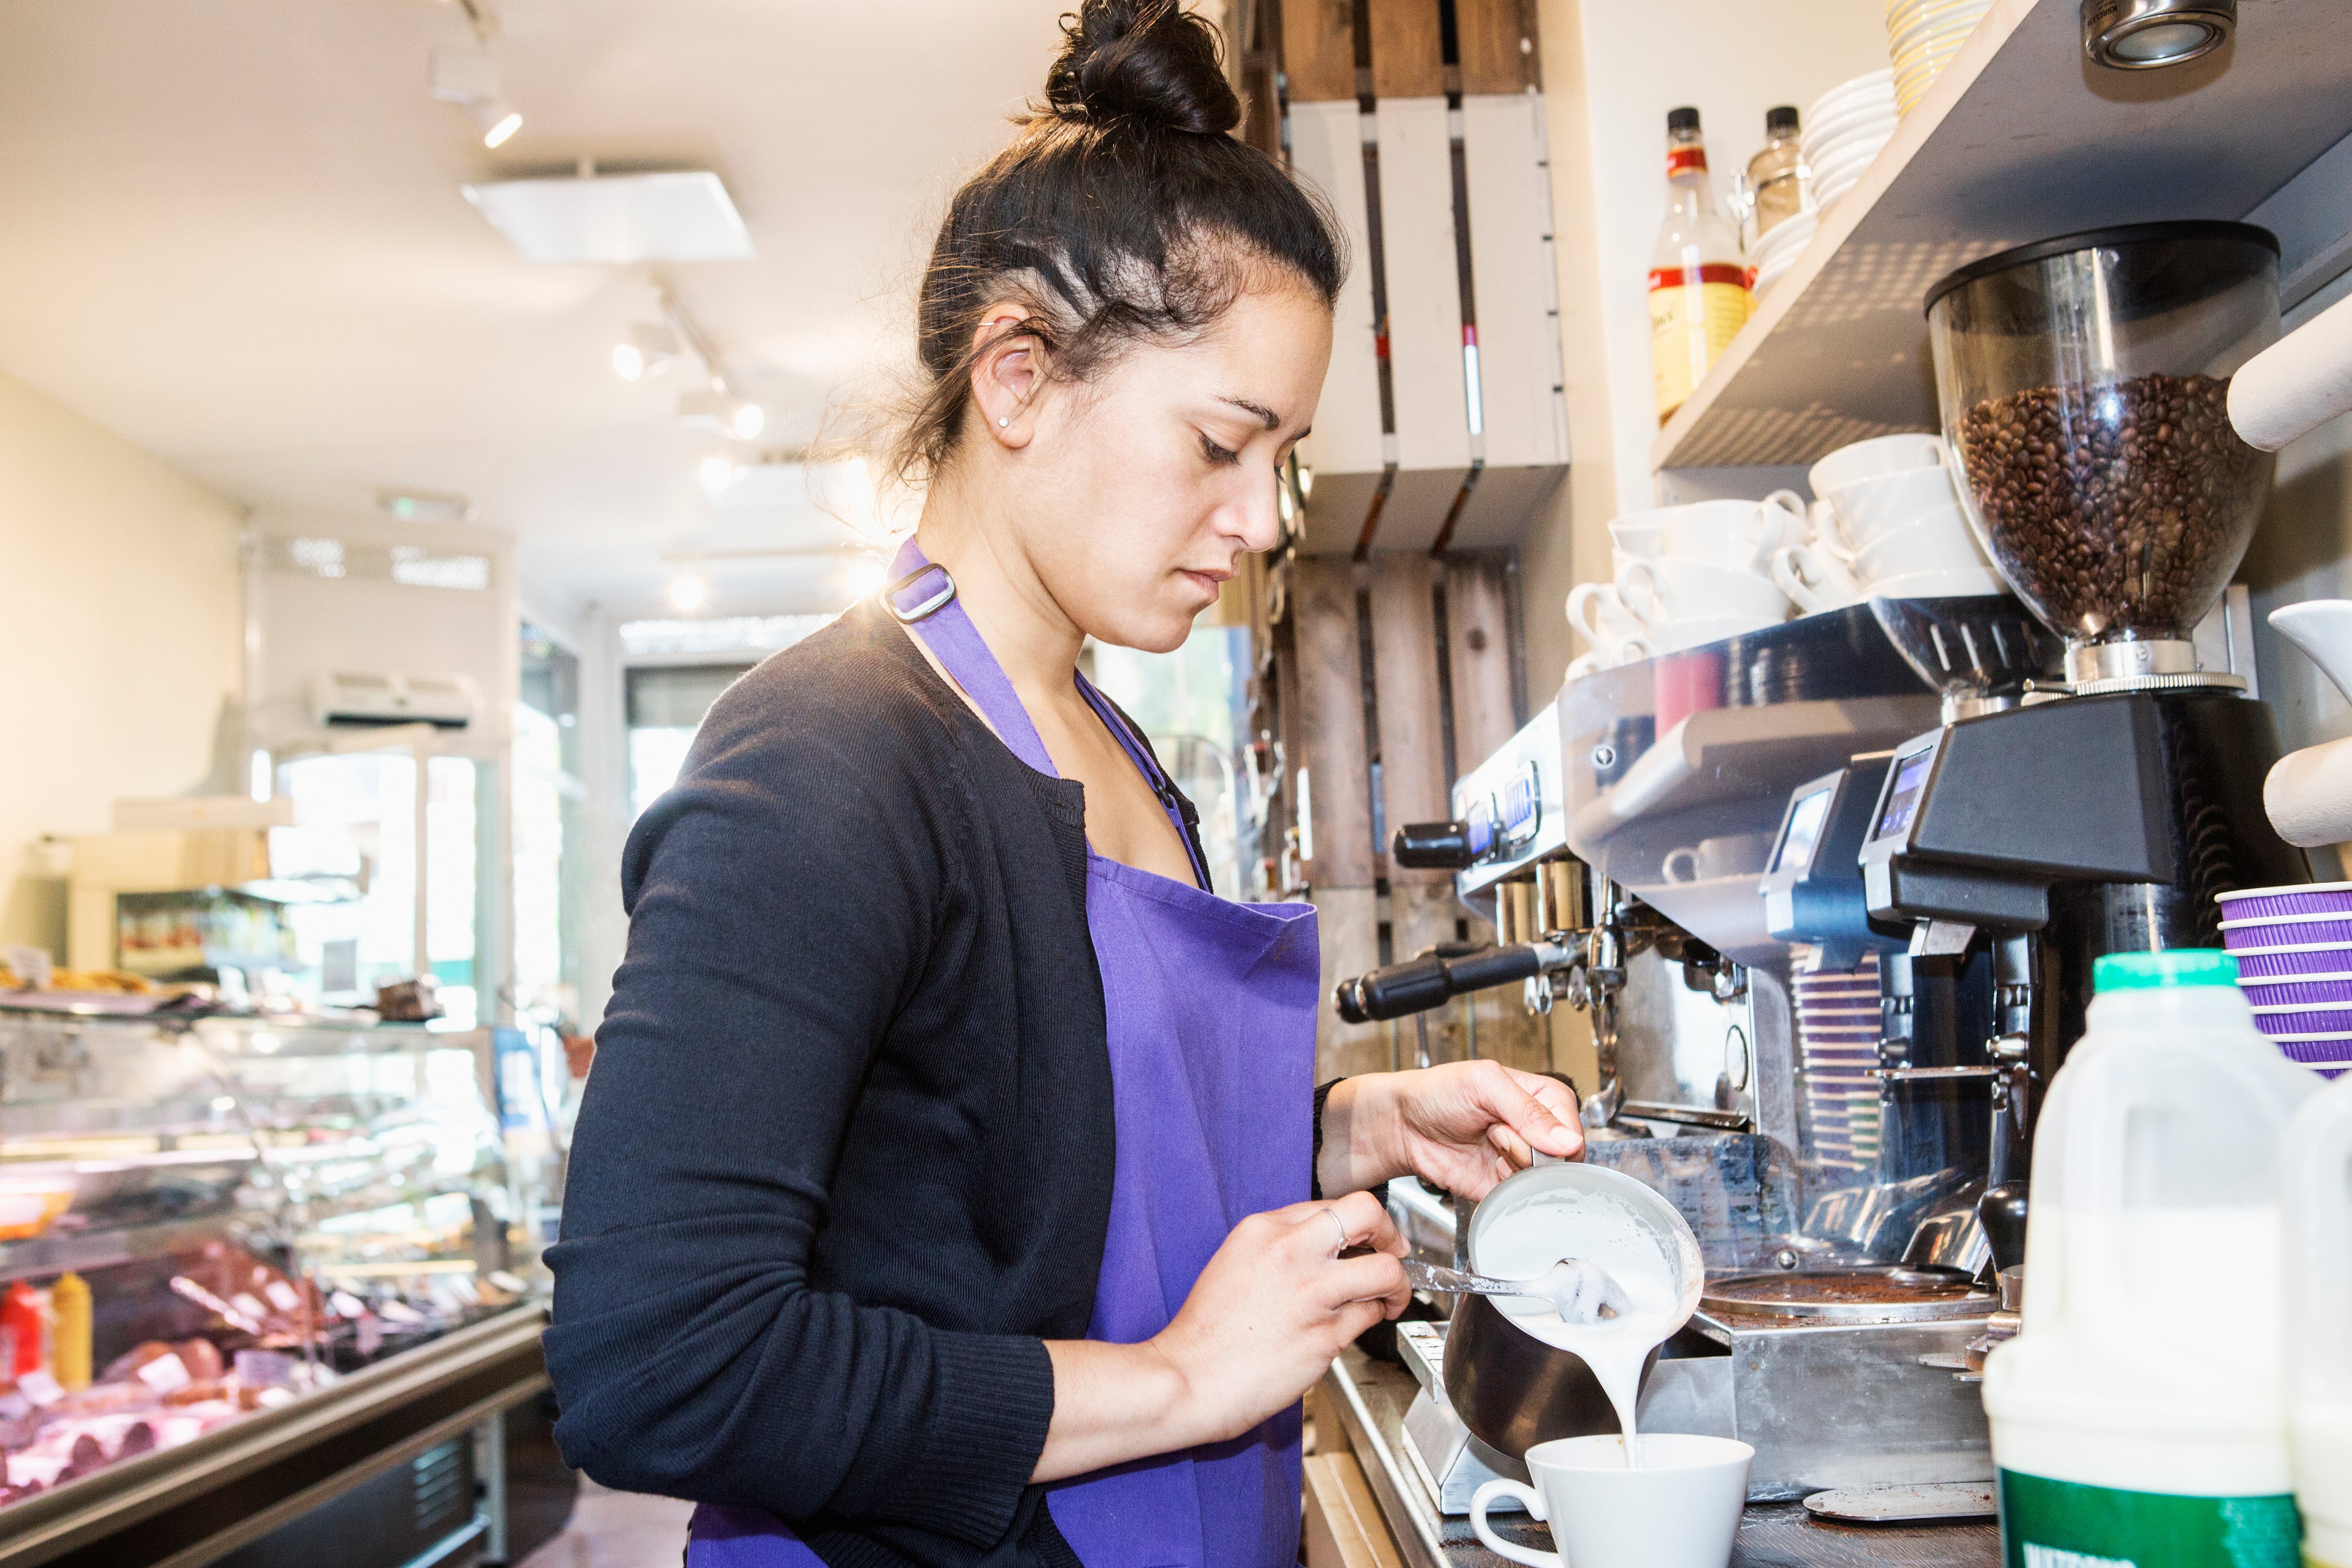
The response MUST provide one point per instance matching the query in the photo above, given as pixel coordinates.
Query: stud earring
(1002, 421)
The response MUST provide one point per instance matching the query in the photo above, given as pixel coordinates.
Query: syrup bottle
(1699, 283)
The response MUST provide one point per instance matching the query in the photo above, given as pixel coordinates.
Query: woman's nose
(1255, 519)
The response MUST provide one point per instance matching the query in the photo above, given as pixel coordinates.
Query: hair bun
(1145, 60)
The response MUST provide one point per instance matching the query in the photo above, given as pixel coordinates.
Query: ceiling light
(723, 413)
(862, 577)
(498, 119)
(469, 81)
(651, 347)
(2145, 34)
(689, 592)
(716, 472)
(616, 219)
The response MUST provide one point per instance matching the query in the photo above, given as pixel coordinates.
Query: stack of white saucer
(1844, 132)
(1887, 525)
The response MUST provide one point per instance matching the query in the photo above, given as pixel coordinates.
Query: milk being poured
(1531, 1236)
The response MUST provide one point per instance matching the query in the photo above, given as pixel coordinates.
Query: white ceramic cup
(1600, 616)
(1936, 544)
(1678, 588)
(1868, 509)
(1868, 459)
(1674, 636)
(1585, 665)
(1741, 534)
(1734, 855)
(1679, 1507)
(1641, 534)
(1814, 578)
(1962, 584)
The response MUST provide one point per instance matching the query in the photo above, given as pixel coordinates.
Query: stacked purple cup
(2293, 948)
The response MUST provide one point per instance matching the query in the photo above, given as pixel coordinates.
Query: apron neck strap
(922, 598)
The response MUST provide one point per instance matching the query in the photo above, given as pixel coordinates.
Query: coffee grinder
(2083, 385)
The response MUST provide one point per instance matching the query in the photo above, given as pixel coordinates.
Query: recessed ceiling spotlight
(468, 80)
(651, 347)
(723, 413)
(689, 592)
(2146, 34)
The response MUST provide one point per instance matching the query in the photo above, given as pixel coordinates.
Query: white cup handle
(1582, 612)
(1484, 1497)
(1789, 580)
(1636, 647)
(1584, 664)
(1788, 501)
(1667, 865)
(1643, 607)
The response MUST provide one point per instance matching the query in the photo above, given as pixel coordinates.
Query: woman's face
(1136, 493)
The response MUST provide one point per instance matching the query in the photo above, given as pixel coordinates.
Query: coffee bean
(2114, 507)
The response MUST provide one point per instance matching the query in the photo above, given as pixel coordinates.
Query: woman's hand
(1263, 1321)
(1463, 1126)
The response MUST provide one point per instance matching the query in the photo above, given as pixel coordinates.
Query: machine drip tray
(1878, 1293)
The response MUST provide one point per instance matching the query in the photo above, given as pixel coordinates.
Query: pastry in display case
(213, 1228)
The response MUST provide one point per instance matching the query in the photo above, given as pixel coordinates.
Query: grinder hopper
(2084, 388)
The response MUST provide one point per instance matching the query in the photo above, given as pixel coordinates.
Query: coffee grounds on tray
(2119, 505)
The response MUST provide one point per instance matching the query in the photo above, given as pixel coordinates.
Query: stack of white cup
(1687, 575)
(1887, 526)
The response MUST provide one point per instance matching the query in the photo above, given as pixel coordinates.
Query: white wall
(121, 629)
(1611, 71)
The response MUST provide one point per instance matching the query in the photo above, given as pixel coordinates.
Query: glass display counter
(239, 1247)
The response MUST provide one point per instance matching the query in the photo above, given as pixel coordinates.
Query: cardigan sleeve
(781, 902)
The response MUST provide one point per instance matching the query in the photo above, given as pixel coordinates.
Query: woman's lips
(1201, 579)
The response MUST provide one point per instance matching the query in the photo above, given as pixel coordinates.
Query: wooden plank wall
(1498, 41)
(1372, 912)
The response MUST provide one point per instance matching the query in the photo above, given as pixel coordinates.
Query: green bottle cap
(2148, 971)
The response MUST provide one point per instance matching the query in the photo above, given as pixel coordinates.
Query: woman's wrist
(1359, 1147)
(1114, 1403)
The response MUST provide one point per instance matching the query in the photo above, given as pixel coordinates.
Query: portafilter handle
(1437, 976)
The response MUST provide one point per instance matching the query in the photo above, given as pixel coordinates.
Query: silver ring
(1333, 1215)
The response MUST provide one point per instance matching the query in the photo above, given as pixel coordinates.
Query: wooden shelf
(2020, 138)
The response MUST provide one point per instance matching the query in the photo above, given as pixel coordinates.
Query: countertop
(1370, 1398)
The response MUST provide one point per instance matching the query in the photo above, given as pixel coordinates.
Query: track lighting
(469, 81)
(689, 592)
(651, 347)
(723, 413)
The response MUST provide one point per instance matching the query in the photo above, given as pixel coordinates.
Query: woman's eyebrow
(1272, 420)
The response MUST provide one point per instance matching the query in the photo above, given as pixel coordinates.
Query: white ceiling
(231, 231)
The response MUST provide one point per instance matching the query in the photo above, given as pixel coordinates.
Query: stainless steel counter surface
(1368, 1398)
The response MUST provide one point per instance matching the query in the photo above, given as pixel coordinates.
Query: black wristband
(1314, 1161)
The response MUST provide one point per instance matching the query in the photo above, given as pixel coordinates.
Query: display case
(247, 1266)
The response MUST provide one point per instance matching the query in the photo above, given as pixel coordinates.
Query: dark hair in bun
(1151, 61)
(1122, 213)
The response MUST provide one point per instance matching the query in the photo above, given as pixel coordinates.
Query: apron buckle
(929, 607)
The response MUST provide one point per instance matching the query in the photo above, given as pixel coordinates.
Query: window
(665, 705)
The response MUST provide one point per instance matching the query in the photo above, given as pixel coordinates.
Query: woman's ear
(1008, 374)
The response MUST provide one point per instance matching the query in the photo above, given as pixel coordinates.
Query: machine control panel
(1509, 807)
(1813, 887)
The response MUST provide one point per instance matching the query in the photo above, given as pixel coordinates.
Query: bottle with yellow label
(1698, 281)
(70, 1332)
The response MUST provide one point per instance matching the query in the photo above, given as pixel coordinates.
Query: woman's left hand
(1463, 1126)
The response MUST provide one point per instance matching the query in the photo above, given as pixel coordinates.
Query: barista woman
(951, 1187)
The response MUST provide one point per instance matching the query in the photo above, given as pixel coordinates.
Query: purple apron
(1211, 1013)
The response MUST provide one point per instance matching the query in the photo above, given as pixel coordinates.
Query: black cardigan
(845, 1160)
